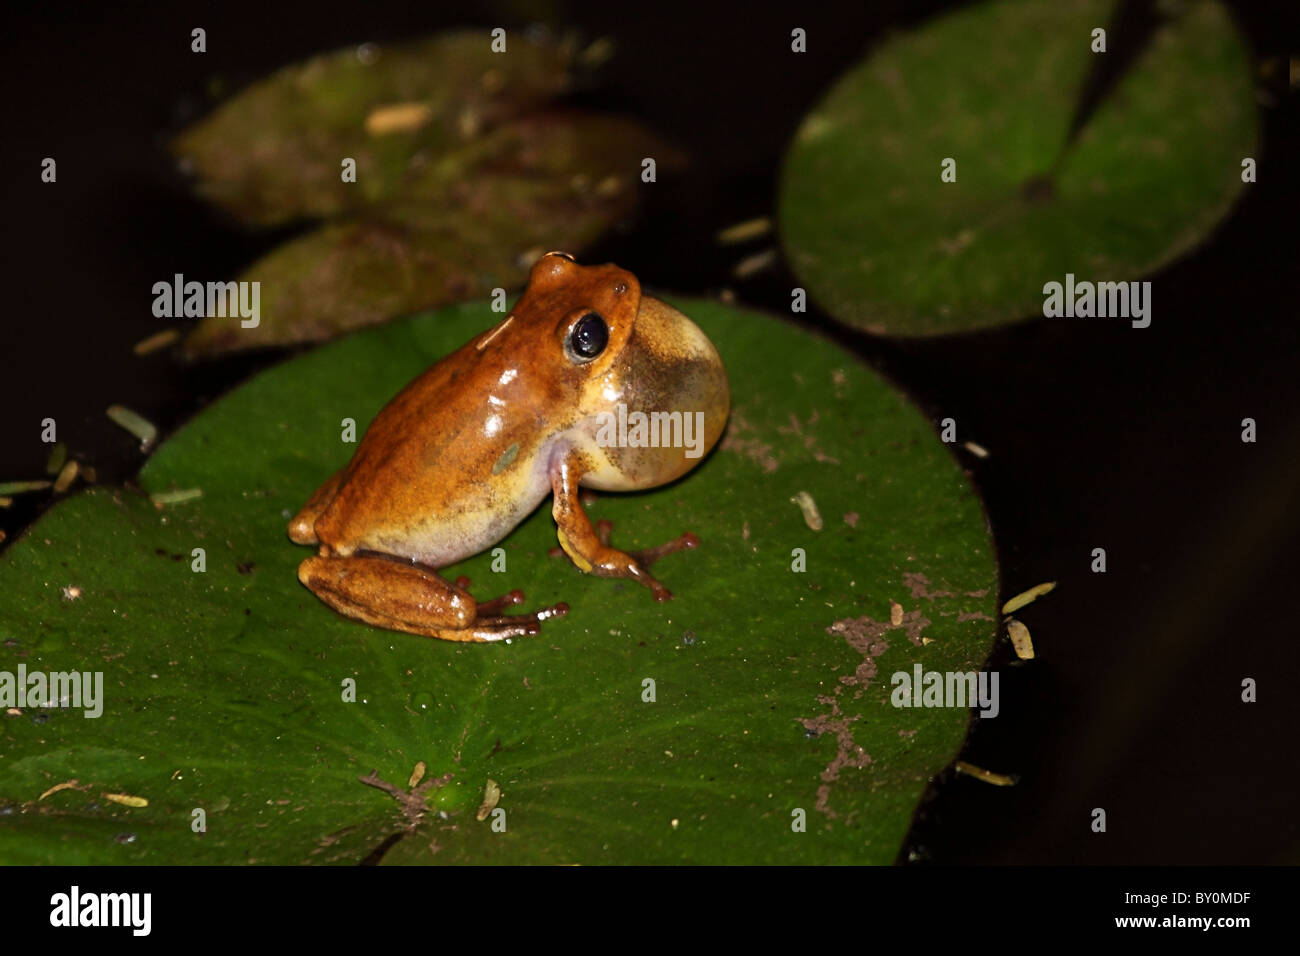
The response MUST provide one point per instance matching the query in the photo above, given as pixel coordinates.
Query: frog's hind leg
(590, 548)
(399, 596)
(302, 529)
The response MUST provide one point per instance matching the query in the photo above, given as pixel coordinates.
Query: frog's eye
(589, 337)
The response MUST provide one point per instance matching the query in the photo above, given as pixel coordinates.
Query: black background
(1101, 435)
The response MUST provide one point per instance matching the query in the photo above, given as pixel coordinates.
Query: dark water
(1100, 437)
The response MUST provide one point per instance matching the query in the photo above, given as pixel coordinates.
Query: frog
(474, 444)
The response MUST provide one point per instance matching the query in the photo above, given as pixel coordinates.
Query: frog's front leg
(590, 549)
(399, 596)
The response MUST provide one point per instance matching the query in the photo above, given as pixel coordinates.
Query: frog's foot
(590, 548)
(513, 625)
(598, 556)
(648, 556)
(491, 607)
(643, 559)
(394, 594)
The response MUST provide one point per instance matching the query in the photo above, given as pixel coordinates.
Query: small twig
(412, 801)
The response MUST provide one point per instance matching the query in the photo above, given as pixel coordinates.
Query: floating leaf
(273, 153)
(472, 222)
(771, 701)
(882, 243)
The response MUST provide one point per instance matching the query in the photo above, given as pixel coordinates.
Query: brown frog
(586, 383)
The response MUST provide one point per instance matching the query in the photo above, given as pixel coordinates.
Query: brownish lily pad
(471, 222)
(273, 153)
(464, 174)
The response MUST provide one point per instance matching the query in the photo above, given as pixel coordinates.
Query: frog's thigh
(393, 595)
(302, 529)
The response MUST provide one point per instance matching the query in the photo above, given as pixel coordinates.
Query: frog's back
(435, 478)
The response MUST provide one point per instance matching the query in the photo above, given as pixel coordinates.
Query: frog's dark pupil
(590, 336)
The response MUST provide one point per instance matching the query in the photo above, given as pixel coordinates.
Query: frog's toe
(648, 556)
(683, 542)
(491, 629)
(534, 618)
(490, 608)
(513, 625)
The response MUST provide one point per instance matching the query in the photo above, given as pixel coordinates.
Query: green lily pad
(272, 153)
(224, 690)
(471, 222)
(883, 244)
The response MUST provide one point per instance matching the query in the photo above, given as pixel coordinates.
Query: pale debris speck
(66, 785)
(416, 775)
(135, 423)
(157, 341)
(491, 797)
(744, 231)
(8, 488)
(162, 498)
(811, 516)
(752, 265)
(988, 776)
(1026, 597)
(1020, 640)
(67, 475)
(126, 799)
